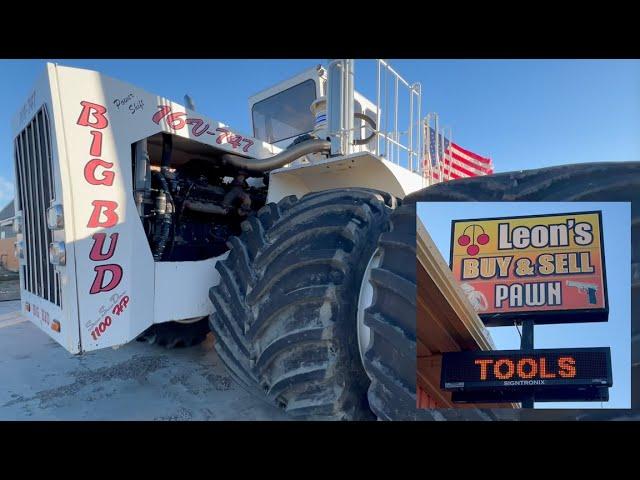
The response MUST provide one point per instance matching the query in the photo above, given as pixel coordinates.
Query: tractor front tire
(285, 308)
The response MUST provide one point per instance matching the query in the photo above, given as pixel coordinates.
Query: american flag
(455, 161)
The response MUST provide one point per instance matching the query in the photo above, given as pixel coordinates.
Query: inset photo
(524, 305)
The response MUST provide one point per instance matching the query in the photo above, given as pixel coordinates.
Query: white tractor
(140, 218)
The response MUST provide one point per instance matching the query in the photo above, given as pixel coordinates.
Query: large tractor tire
(390, 358)
(285, 320)
(588, 182)
(176, 334)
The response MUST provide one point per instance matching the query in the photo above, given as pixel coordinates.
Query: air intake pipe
(283, 158)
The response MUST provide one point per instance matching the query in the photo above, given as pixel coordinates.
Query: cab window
(286, 114)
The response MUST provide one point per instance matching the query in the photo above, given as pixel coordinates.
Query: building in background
(445, 322)
(8, 260)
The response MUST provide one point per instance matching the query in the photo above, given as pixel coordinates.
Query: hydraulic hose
(287, 156)
(165, 218)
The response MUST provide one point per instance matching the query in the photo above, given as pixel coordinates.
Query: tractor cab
(297, 106)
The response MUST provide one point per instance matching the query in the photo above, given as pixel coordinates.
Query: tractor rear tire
(285, 307)
(390, 358)
(176, 334)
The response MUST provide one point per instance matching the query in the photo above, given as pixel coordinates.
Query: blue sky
(616, 333)
(522, 113)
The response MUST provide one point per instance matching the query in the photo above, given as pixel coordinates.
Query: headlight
(57, 253)
(55, 217)
(18, 250)
(17, 223)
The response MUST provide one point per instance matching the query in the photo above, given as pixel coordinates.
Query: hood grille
(35, 193)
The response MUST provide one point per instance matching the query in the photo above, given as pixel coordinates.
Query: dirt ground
(42, 381)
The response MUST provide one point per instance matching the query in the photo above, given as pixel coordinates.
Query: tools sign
(506, 374)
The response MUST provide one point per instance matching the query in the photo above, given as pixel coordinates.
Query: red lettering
(223, 135)
(104, 211)
(118, 308)
(164, 110)
(96, 144)
(90, 172)
(98, 244)
(109, 212)
(116, 276)
(175, 122)
(95, 110)
(247, 146)
(197, 129)
(234, 140)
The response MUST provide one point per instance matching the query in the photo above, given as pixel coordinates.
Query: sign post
(526, 344)
(528, 270)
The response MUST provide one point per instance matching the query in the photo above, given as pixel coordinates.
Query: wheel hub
(365, 300)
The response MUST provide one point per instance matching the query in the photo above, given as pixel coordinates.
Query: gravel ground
(42, 381)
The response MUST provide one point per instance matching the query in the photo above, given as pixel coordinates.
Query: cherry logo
(472, 243)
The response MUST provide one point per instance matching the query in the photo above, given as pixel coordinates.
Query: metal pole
(526, 343)
(378, 113)
(444, 153)
(386, 113)
(450, 147)
(418, 130)
(348, 99)
(340, 105)
(437, 150)
(444, 149)
(411, 129)
(428, 148)
(396, 137)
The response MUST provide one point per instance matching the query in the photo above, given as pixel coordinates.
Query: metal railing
(398, 141)
(398, 123)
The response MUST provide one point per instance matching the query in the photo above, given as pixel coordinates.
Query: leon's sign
(547, 267)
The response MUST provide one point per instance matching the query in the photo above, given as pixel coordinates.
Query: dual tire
(286, 305)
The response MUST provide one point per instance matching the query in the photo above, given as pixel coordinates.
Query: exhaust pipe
(289, 155)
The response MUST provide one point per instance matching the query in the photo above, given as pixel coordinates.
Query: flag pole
(437, 149)
(445, 161)
(428, 164)
(450, 148)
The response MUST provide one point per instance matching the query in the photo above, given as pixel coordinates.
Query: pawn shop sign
(548, 268)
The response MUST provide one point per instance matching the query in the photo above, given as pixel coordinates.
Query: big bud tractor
(73, 141)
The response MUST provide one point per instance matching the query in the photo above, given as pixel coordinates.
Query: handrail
(398, 133)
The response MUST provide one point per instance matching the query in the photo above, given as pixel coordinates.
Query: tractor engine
(191, 204)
